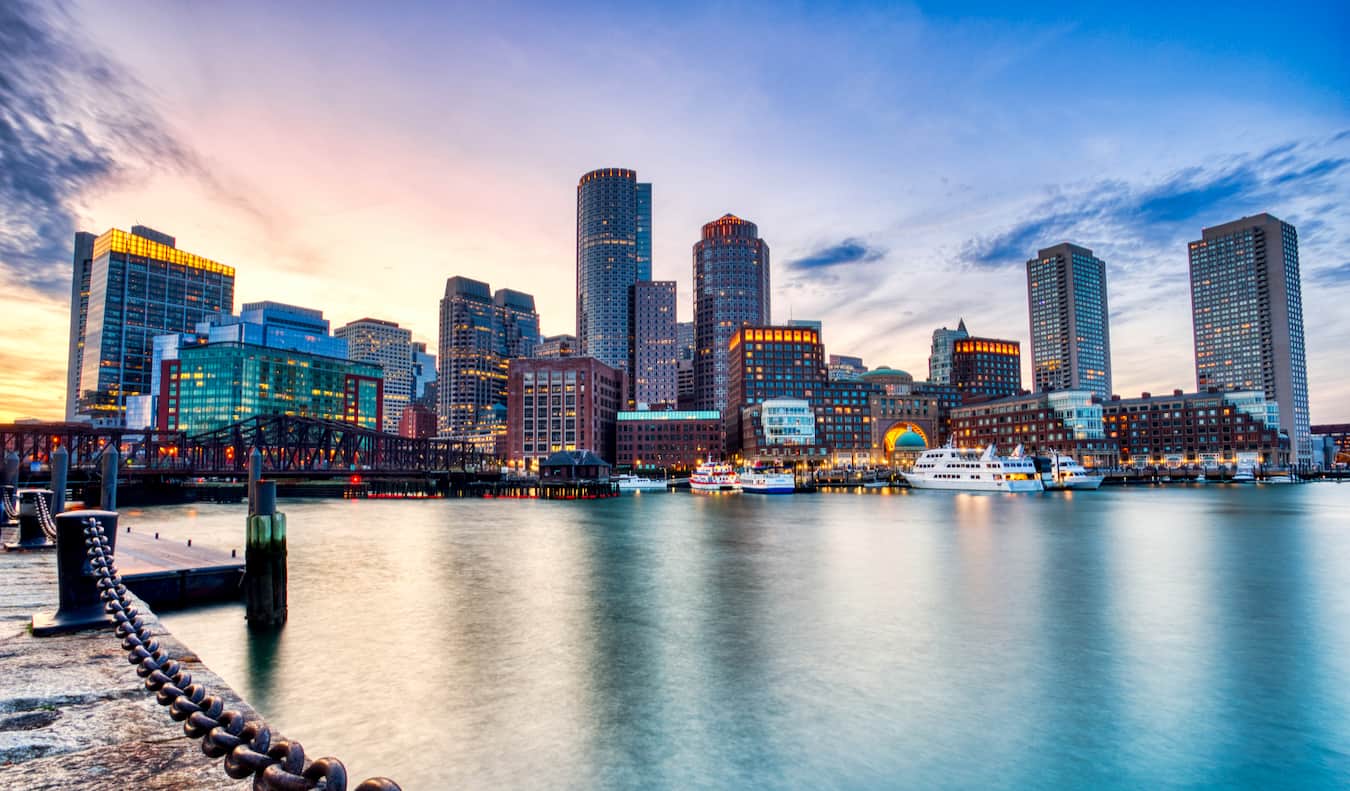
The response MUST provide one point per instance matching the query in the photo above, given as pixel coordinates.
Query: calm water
(1140, 638)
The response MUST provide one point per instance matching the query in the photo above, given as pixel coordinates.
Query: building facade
(731, 290)
(417, 422)
(684, 339)
(1070, 322)
(480, 332)
(1338, 436)
(654, 356)
(563, 404)
(423, 376)
(1196, 429)
(613, 252)
(940, 356)
(389, 346)
(844, 368)
(668, 440)
(765, 362)
(130, 288)
(1066, 421)
(1247, 311)
(987, 367)
(556, 346)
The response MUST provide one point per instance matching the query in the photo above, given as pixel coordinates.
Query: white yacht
(632, 483)
(715, 476)
(950, 467)
(767, 480)
(1064, 472)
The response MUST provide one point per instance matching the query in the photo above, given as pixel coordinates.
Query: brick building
(562, 403)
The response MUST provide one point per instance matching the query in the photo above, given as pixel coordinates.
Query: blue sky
(902, 161)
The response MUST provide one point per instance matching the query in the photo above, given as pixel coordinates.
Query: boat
(632, 483)
(1283, 478)
(1200, 479)
(950, 467)
(767, 480)
(715, 476)
(1246, 473)
(1059, 471)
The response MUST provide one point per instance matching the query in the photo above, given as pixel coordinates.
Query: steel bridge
(288, 444)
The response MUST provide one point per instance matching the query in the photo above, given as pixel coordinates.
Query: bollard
(31, 535)
(254, 473)
(60, 476)
(265, 560)
(111, 462)
(81, 606)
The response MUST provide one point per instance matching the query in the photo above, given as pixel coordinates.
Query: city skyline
(847, 250)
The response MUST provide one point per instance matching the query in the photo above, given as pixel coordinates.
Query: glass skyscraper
(132, 287)
(731, 290)
(1247, 312)
(614, 240)
(480, 332)
(1070, 324)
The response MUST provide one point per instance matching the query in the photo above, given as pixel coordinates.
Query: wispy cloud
(1333, 276)
(846, 251)
(1165, 211)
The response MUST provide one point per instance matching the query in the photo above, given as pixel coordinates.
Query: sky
(902, 161)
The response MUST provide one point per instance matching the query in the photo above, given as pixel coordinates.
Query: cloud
(1165, 212)
(1333, 276)
(72, 123)
(847, 251)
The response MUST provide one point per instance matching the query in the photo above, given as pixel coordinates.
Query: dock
(169, 573)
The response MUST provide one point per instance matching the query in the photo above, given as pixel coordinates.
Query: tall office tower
(480, 332)
(82, 263)
(1247, 310)
(424, 376)
(654, 358)
(1070, 324)
(613, 252)
(139, 285)
(940, 357)
(684, 339)
(390, 346)
(987, 367)
(731, 290)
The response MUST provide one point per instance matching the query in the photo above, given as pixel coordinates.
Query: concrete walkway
(73, 712)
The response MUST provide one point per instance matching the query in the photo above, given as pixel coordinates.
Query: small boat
(767, 480)
(1282, 478)
(1246, 473)
(1059, 471)
(877, 485)
(950, 467)
(715, 476)
(1200, 479)
(632, 483)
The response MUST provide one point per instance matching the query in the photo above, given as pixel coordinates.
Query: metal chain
(11, 508)
(45, 516)
(249, 747)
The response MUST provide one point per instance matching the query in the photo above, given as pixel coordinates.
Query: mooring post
(254, 473)
(33, 505)
(111, 462)
(265, 559)
(81, 605)
(60, 476)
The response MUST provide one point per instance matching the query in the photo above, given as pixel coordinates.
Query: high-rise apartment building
(390, 346)
(940, 357)
(130, 288)
(731, 290)
(990, 367)
(653, 355)
(1070, 324)
(765, 363)
(614, 225)
(479, 333)
(1247, 311)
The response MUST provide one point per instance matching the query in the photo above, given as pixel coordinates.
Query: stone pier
(73, 712)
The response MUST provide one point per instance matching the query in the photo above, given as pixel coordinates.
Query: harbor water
(1165, 637)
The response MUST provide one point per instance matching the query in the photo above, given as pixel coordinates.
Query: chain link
(249, 747)
(11, 507)
(44, 513)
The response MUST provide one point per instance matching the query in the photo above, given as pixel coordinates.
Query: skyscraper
(731, 290)
(684, 339)
(614, 225)
(480, 332)
(986, 367)
(654, 359)
(940, 357)
(390, 346)
(82, 263)
(1070, 325)
(139, 285)
(1247, 311)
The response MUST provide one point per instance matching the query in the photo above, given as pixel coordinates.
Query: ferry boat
(632, 483)
(1064, 472)
(767, 480)
(715, 476)
(950, 467)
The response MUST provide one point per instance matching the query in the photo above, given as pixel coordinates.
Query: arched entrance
(894, 432)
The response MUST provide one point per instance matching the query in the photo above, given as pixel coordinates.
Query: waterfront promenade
(73, 712)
